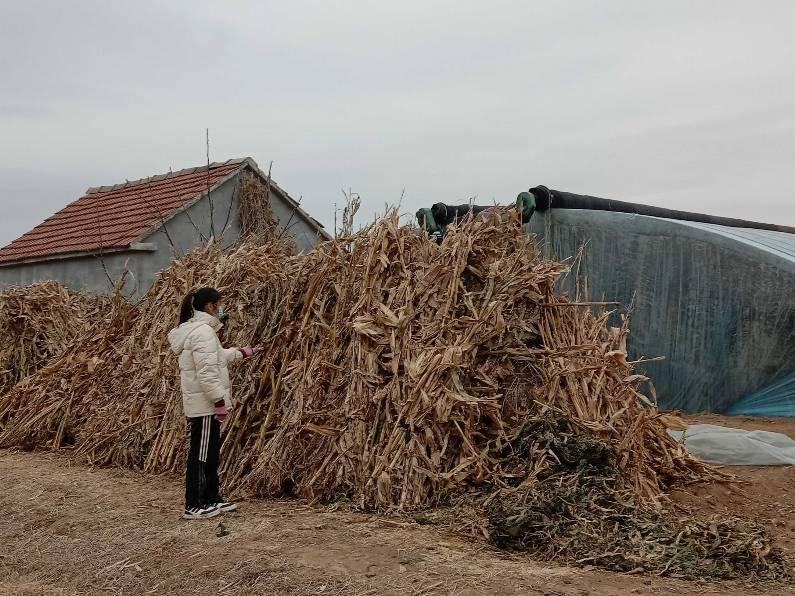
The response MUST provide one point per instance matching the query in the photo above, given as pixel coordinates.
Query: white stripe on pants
(205, 442)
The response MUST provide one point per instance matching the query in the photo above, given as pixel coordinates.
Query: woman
(206, 396)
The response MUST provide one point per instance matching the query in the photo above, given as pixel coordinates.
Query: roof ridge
(157, 177)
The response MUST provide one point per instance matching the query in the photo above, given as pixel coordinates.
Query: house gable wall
(187, 229)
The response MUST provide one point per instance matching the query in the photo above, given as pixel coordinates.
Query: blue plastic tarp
(717, 303)
(777, 399)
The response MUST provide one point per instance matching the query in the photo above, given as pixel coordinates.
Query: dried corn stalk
(257, 222)
(37, 323)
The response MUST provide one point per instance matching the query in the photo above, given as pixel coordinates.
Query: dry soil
(69, 529)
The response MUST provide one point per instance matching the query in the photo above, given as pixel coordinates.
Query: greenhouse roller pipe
(556, 199)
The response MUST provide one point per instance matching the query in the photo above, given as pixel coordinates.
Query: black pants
(201, 476)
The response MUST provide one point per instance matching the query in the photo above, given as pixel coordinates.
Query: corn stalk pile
(404, 369)
(45, 407)
(146, 428)
(37, 324)
(115, 397)
(398, 373)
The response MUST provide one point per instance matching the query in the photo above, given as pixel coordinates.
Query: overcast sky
(689, 105)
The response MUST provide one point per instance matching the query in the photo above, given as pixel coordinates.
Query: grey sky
(683, 104)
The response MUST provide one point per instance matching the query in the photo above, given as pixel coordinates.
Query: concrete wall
(719, 310)
(81, 273)
(298, 228)
(186, 230)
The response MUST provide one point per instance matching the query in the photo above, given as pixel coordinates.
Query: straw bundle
(37, 323)
(42, 409)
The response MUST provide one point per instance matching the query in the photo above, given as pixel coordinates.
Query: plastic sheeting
(717, 303)
(777, 399)
(737, 447)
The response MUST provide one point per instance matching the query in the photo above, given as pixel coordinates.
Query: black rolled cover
(558, 199)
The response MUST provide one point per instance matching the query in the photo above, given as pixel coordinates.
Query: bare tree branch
(163, 220)
(290, 227)
(209, 198)
(196, 227)
(235, 195)
(126, 272)
(101, 253)
(268, 183)
(292, 214)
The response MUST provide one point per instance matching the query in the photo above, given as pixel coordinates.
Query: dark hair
(197, 300)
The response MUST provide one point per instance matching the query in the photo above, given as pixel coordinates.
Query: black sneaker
(225, 507)
(202, 512)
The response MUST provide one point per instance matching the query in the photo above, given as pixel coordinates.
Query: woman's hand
(248, 351)
(221, 411)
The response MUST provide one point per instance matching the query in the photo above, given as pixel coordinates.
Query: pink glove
(248, 351)
(221, 411)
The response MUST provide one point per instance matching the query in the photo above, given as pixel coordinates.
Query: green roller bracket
(426, 221)
(526, 205)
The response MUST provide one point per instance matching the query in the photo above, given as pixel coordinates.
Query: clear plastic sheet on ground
(737, 447)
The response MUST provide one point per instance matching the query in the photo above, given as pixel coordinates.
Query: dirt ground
(763, 493)
(68, 529)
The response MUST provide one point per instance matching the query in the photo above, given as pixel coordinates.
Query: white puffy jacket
(203, 372)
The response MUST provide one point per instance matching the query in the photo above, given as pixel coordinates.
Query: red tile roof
(113, 217)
